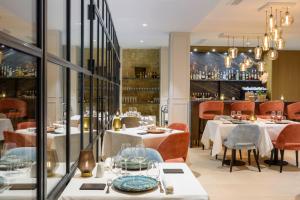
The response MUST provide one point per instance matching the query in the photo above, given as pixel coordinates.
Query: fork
(109, 183)
(160, 187)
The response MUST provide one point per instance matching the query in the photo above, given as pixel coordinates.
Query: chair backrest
(246, 107)
(266, 108)
(130, 122)
(23, 125)
(21, 140)
(293, 110)
(290, 134)
(243, 134)
(13, 107)
(179, 126)
(211, 107)
(175, 146)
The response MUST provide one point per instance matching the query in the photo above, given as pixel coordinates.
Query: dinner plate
(135, 183)
(156, 131)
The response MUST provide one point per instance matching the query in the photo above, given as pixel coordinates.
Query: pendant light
(247, 61)
(266, 39)
(233, 51)
(287, 19)
(272, 54)
(276, 34)
(280, 44)
(258, 51)
(243, 67)
(271, 21)
(261, 66)
(227, 58)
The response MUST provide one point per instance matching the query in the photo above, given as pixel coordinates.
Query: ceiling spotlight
(195, 49)
(144, 25)
(141, 41)
(213, 50)
(2, 46)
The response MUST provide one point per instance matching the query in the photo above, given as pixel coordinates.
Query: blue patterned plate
(135, 183)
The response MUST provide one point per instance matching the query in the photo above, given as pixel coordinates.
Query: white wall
(164, 78)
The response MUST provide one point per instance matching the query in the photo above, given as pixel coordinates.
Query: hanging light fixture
(233, 51)
(276, 34)
(280, 44)
(258, 51)
(271, 21)
(227, 58)
(266, 39)
(272, 54)
(261, 66)
(243, 67)
(287, 19)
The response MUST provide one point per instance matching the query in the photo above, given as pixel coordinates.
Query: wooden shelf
(226, 80)
(144, 79)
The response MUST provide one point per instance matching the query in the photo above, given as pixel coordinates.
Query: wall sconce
(86, 163)
(222, 97)
(52, 162)
(86, 123)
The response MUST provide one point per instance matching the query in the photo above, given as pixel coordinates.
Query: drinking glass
(279, 115)
(153, 169)
(233, 114)
(140, 155)
(116, 165)
(7, 146)
(126, 154)
(239, 115)
(273, 114)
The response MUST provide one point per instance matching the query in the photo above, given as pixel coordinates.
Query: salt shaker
(100, 170)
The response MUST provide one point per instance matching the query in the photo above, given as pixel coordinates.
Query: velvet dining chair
(24, 125)
(179, 126)
(21, 140)
(266, 108)
(288, 139)
(175, 147)
(293, 111)
(246, 107)
(13, 108)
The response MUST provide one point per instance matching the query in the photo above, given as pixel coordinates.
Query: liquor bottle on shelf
(237, 75)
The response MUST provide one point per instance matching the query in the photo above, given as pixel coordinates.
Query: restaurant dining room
(149, 99)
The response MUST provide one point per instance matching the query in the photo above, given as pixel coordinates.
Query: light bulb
(276, 34)
(272, 54)
(271, 22)
(261, 66)
(242, 67)
(280, 44)
(248, 62)
(232, 52)
(258, 52)
(266, 42)
(287, 19)
(227, 61)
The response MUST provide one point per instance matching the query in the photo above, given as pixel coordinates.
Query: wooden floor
(245, 183)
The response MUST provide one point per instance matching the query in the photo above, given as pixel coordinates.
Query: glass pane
(56, 27)
(95, 108)
(86, 55)
(56, 125)
(75, 31)
(17, 120)
(86, 110)
(75, 117)
(18, 18)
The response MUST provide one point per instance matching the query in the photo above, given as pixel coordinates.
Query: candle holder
(52, 162)
(117, 125)
(86, 163)
(253, 118)
(222, 97)
(86, 123)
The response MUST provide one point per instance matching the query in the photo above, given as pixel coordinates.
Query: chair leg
(249, 158)
(232, 156)
(297, 164)
(256, 159)
(282, 156)
(272, 156)
(240, 154)
(224, 156)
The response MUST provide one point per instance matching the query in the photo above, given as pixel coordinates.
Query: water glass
(273, 114)
(239, 115)
(153, 169)
(140, 155)
(126, 154)
(233, 114)
(279, 115)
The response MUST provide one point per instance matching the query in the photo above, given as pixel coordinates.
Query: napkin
(167, 185)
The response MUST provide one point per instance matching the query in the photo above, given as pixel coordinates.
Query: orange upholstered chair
(24, 125)
(13, 108)
(266, 108)
(209, 109)
(21, 140)
(293, 111)
(179, 126)
(175, 147)
(246, 107)
(288, 139)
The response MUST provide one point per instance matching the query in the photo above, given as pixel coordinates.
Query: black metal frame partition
(105, 72)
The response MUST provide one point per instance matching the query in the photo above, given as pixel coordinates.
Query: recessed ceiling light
(141, 41)
(144, 25)
(195, 49)
(213, 50)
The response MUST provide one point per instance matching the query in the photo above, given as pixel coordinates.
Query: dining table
(113, 140)
(185, 187)
(5, 125)
(216, 131)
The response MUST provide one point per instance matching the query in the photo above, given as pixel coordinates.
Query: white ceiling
(205, 19)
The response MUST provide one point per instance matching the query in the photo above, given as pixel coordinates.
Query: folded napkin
(167, 185)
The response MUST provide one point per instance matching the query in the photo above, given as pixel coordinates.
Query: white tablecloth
(5, 125)
(58, 142)
(216, 131)
(113, 140)
(186, 187)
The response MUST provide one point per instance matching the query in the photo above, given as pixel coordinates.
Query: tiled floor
(245, 183)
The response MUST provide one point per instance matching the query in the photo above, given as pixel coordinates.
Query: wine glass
(116, 165)
(273, 114)
(233, 114)
(126, 154)
(239, 115)
(279, 115)
(153, 170)
(140, 155)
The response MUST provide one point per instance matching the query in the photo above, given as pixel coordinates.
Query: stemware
(239, 115)
(233, 114)
(126, 154)
(153, 170)
(279, 115)
(140, 155)
(273, 114)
